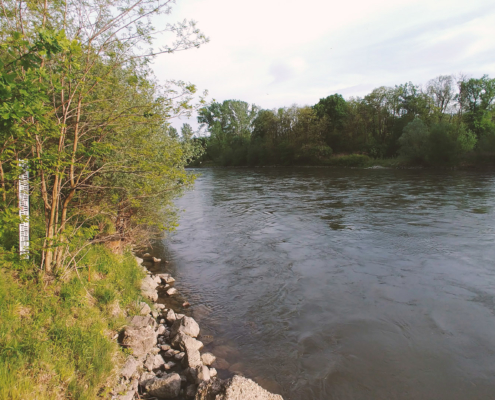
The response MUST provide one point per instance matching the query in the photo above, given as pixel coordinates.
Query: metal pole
(24, 210)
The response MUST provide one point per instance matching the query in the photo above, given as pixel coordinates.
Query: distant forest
(448, 121)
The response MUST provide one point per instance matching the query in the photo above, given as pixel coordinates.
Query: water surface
(344, 284)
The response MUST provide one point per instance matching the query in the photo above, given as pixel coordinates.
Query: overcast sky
(276, 53)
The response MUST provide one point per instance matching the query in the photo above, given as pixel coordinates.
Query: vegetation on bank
(449, 121)
(80, 107)
(56, 334)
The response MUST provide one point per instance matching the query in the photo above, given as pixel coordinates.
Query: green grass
(56, 337)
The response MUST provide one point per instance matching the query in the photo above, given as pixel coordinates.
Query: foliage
(386, 123)
(414, 141)
(80, 104)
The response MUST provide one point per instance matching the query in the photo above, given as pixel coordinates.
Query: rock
(191, 391)
(170, 353)
(146, 256)
(171, 316)
(160, 306)
(148, 288)
(186, 304)
(162, 321)
(193, 358)
(172, 291)
(209, 390)
(138, 260)
(213, 372)
(139, 340)
(203, 374)
(158, 361)
(220, 363)
(146, 379)
(191, 375)
(179, 356)
(134, 384)
(129, 367)
(148, 363)
(155, 350)
(208, 359)
(161, 330)
(225, 351)
(164, 277)
(156, 278)
(186, 342)
(236, 388)
(167, 387)
(156, 260)
(186, 325)
(170, 280)
(165, 347)
(191, 347)
(141, 322)
(169, 365)
(144, 309)
(154, 314)
(240, 388)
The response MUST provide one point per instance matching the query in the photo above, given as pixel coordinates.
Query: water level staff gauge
(24, 210)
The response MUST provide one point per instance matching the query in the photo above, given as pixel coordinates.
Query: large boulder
(167, 387)
(240, 388)
(191, 347)
(236, 388)
(139, 339)
(148, 288)
(185, 325)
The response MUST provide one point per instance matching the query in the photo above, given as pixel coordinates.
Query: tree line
(80, 104)
(446, 121)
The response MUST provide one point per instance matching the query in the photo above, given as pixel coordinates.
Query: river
(344, 283)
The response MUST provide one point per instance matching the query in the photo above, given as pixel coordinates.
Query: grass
(56, 336)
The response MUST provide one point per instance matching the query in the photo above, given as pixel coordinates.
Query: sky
(277, 53)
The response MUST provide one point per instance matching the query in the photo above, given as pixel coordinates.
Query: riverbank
(57, 335)
(365, 162)
(98, 332)
(165, 359)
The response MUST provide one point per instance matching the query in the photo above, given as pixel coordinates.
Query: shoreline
(165, 360)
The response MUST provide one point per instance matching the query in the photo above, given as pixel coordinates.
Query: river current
(343, 283)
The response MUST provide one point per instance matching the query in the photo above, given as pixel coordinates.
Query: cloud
(278, 52)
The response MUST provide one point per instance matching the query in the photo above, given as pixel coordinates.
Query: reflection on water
(344, 284)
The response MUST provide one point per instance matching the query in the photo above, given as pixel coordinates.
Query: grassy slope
(56, 336)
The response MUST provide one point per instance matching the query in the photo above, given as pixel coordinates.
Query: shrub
(414, 141)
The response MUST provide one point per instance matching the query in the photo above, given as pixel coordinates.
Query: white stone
(208, 359)
(185, 325)
(172, 291)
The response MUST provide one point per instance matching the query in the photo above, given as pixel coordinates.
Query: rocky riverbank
(165, 359)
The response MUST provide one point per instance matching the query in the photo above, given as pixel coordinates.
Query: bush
(449, 142)
(414, 142)
(352, 160)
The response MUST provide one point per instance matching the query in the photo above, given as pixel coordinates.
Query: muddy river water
(344, 284)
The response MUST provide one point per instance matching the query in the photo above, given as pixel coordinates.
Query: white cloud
(278, 52)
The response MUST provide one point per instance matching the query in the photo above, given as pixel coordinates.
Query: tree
(84, 109)
(476, 97)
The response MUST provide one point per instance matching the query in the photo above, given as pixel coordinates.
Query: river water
(344, 284)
